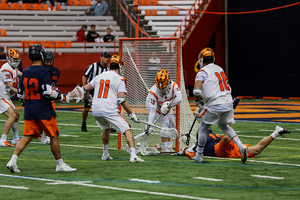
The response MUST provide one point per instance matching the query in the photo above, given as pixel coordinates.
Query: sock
(105, 149)
(274, 134)
(14, 128)
(59, 162)
(132, 152)
(164, 145)
(200, 150)
(4, 137)
(238, 142)
(170, 144)
(14, 158)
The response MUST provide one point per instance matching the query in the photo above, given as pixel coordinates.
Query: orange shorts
(33, 127)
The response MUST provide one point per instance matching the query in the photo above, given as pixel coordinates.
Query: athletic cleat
(15, 141)
(5, 144)
(83, 127)
(136, 159)
(182, 152)
(191, 155)
(244, 154)
(198, 157)
(12, 167)
(106, 157)
(65, 168)
(282, 131)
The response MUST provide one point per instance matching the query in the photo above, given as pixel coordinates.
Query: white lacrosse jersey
(106, 88)
(215, 88)
(7, 73)
(155, 100)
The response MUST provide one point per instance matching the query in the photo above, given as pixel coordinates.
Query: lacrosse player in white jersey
(109, 93)
(214, 101)
(158, 102)
(8, 86)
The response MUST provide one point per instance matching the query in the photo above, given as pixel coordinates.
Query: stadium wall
(263, 49)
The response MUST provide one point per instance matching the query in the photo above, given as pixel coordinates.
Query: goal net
(143, 58)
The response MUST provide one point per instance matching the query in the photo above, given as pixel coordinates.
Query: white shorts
(5, 104)
(115, 120)
(218, 117)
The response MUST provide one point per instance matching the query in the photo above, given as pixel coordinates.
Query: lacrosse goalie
(158, 102)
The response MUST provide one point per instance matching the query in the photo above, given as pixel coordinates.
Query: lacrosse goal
(140, 77)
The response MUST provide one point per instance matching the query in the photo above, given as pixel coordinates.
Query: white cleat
(198, 157)
(65, 168)
(15, 141)
(281, 131)
(106, 157)
(12, 167)
(136, 159)
(244, 154)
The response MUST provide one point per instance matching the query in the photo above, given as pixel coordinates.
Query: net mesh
(142, 60)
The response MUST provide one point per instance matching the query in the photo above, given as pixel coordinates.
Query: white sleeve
(151, 116)
(7, 76)
(122, 87)
(178, 98)
(201, 76)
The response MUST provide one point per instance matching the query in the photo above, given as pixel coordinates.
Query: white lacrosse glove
(165, 108)
(133, 117)
(198, 111)
(148, 129)
(200, 103)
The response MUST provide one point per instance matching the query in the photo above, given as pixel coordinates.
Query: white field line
(271, 177)
(82, 183)
(144, 181)
(278, 138)
(14, 187)
(258, 161)
(207, 179)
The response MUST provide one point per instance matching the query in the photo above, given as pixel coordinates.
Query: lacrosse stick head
(77, 93)
(140, 141)
(149, 151)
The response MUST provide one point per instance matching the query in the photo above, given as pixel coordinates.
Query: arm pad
(197, 92)
(121, 100)
(9, 89)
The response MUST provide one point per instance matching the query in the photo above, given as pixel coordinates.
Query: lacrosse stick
(77, 93)
(236, 101)
(142, 138)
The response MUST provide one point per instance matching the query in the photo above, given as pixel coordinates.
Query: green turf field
(274, 174)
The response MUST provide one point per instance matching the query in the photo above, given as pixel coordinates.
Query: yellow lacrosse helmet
(162, 81)
(206, 53)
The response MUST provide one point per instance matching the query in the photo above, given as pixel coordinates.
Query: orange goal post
(143, 58)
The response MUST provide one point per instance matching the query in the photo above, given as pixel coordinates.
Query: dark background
(263, 49)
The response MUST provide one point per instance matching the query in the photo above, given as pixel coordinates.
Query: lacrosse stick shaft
(149, 124)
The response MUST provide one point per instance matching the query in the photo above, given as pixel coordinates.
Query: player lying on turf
(223, 146)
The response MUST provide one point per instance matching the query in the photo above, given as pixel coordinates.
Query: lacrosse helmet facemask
(13, 57)
(163, 81)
